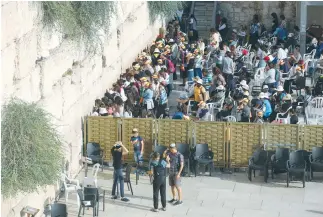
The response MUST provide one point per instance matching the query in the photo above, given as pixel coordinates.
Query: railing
(231, 143)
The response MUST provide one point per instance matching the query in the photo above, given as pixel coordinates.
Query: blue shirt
(137, 145)
(163, 97)
(207, 80)
(268, 108)
(148, 94)
(161, 163)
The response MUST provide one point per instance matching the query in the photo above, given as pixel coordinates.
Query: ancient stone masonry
(38, 66)
(241, 13)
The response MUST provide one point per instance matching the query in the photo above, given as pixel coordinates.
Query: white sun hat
(280, 88)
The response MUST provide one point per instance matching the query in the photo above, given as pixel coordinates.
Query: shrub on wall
(163, 9)
(31, 151)
(85, 22)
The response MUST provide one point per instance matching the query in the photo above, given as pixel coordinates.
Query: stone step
(203, 8)
(198, 3)
(203, 13)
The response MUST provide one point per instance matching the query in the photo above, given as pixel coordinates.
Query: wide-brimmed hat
(102, 111)
(243, 82)
(156, 50)
(196, 78)
(287, 97)
(280, 88)
(135, 130)
(220, 87)
(261, 95)
(265, 87)
(245, 86)
(199, 81)
(172, 145)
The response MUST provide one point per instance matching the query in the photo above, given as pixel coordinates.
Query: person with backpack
(176, 161)
(158, 170)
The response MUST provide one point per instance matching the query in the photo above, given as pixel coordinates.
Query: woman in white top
(270, 75)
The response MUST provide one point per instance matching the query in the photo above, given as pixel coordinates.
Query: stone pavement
(223, 195)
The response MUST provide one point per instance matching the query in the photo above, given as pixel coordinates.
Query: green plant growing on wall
(31, 149)
(163, 9)
(83, 22)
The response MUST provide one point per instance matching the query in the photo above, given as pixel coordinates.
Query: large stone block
(58, 64)
(28, 88)
(18, 18)
(8, 69)
(27, 54)
(53, 103)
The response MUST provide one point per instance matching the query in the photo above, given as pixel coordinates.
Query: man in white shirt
(228, 69)
(270, 75)
(281, 54)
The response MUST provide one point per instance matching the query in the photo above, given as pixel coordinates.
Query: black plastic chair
(316, 161)
(296, 166)
(278, 161)
(258, 161)
(127, 177)
(88, 201)
(58, 210)
(160, 149)
(95, 153)
(202, 157)
(184, 149)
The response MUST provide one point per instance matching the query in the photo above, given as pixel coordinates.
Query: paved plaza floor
(222, 195)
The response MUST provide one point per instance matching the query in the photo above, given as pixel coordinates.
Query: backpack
(159, 170)
(178, 116)
(171, 67)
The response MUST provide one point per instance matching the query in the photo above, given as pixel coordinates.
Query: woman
(283, 22)
(215, 38)
(202, 112)
(162, 100)
(275, 22)
(190, 68)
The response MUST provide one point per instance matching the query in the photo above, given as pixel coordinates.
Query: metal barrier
(173, 131)
(103, 130)
(231, 143)
(244, 139)
(213, 134)
(282, 135)
(313, 137)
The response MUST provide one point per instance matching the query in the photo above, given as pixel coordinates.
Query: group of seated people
(144, 89)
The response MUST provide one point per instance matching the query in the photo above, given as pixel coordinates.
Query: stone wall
(241, 13)
(64, 89)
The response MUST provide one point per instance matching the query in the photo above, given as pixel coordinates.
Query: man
(138, 146)
(270, 75)
(117, 152)
(228, 69)
(176, 161)
(159, 183)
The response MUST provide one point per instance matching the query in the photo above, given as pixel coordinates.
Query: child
(207, 79)
(158, 167)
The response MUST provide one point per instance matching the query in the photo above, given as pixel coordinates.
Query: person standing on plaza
(176, 161)
(138, 146)
(159, 184)
(117, 152)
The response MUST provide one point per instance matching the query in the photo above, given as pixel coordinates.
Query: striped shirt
(162, 96)
(207, 80)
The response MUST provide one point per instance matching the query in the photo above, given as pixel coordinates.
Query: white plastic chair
(211, 107)
(249, 62)
(70, 187)
(259, 76)
(94, 179)
(283, 120)
(230, 118)
(189, 107)
(310, 55)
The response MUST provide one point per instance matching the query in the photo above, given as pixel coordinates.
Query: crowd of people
(216, 75)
